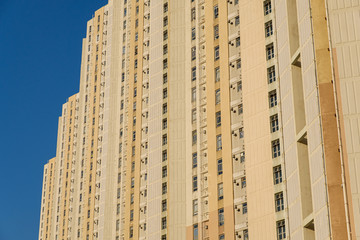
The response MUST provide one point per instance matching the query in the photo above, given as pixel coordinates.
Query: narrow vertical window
(280, 229)
(219, 166)
(279, 202)
(267, 7)
(194, 160)
(268, 29)
(218, 142)
(277, 174)
(216, 31)
(195, 184)
(216, 11)
(272, 99)
(270, 52)
(217, 74)
(221, 216)
(274, 123)
(275, 148)
(216, 53)
(217, 96)
(220, 191)
(271, 74)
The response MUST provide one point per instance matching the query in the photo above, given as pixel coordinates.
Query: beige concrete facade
(210, 119)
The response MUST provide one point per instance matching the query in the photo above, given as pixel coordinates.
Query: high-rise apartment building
(211, 119)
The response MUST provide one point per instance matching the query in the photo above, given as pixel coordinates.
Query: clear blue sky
(40, 53)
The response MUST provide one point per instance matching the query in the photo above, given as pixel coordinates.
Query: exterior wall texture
(211, 119)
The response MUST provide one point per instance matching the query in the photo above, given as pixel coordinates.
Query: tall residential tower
(211, 119)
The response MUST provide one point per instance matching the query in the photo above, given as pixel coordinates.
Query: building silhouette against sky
(211, 119)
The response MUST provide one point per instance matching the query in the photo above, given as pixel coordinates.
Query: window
(220, 191)
(165, 49)
(275, 146)
(216, 31)
(164, 123)
(216, 11)
(277, 174)
(237, 42)
(136, 50)
(268, 29)
(164, 188)
(237, 20)
(193, 33)
(270, 53)
(164, 171)
(131, 215)
(166, 7)
(194, 160)
(164, 155)
(165, 63)
(196, 232)
(243, 182)
(239, 86)
(240, 109)
(218, 119)
(132, 182)
(164, 205)
(131, 232)
(272, 99)
(271, 74)
(222, 237)
(165, 78)
(238, 63)
(274, 123)
(246, 234)
(236, 2)
(194, 137)
(195, 207)
(279, 202)
(194, 183)
(193, 14)
(164, 93)
(165, 21)
(241, 133)
(164, 139)
(218, 143)
(217, 96)
(216, 53)
(165, 35)
(164, 108)
(244, 208)
(163, 223)
(132, 198)
(217, 74)
(267, 7)
(221, 216)
(193, 74)
(163, 237)
(280, 229)
(193, 53)
(219, 166)
(193, 94)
